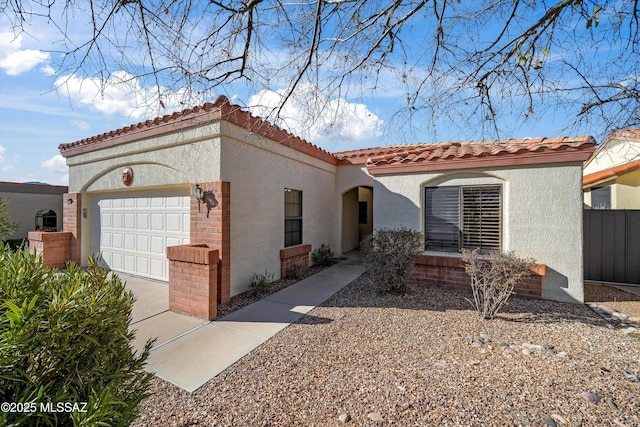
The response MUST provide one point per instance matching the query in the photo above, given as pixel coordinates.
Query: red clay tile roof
(221, 109)
(361, 155)
(610, 173)
(386, 159)
(625, 133)
(464, 155)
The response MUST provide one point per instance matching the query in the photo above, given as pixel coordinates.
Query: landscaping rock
(375, 416)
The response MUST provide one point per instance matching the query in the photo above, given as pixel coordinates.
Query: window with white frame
(459, 217)
(292, 217)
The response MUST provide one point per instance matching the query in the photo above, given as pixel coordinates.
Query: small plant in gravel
(295, 272)
(259, 282)
(494, 277)
(391, 255)
(65, 340)
(322, 256)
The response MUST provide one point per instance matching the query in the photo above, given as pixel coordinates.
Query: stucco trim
(111, 168)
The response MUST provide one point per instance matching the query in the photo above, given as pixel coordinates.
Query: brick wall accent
(448, 272)
(215, 231)
(295, 255)
(193, 280)
(71, 222)
(53, 247)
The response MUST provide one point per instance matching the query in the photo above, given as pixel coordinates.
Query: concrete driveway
(189, 351)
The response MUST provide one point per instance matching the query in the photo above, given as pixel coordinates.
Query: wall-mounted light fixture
(69, 201)
(205, 196)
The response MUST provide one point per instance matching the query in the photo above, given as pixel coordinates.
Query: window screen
(463, 217)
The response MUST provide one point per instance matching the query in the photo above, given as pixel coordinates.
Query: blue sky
(36, 114)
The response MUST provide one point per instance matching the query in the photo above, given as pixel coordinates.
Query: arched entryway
(357, 216)
(46, 220)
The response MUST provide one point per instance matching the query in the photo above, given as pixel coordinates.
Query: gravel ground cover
(423, 359)
(622, 301)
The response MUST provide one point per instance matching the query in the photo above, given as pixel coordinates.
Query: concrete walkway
(190, 351)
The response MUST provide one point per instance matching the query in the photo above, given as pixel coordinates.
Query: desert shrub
(322, 256)
(390, 255)
(494, 277)
(65, 339)
(259, 282)
(295, 272)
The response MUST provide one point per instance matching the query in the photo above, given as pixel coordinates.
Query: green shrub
(64, 338)
(391, 256)
(494, 277)
(322, 256)
(7, 227)
(260, 282)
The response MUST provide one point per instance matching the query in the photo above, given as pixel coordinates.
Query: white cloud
(14, 60)
(119, 94)
(56, 164)
(122, 93)
(2, 150)
(80, 124)
(314, 117)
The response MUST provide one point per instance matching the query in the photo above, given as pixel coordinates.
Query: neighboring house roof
(615, 138)
(386, 159)
(480, 154)
(221, 109)
(608, 174)
(20, 187)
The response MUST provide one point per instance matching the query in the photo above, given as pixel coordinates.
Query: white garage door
(132, 231)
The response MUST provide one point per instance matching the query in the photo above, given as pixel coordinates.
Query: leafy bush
(65, 339)
(494, 278)
(390, 255)
(7, 227)
(260, 282)
(322, 256)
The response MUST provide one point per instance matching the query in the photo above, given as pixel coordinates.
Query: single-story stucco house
(612, 174)
(211, 195)
(34, 206)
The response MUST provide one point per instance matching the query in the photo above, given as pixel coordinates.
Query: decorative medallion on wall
(127, 176)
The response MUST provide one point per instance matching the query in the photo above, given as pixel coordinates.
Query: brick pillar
(215, 231)
(193, 278)
(71, 222)
(53, 247)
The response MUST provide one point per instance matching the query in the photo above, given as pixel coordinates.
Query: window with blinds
(463, 217)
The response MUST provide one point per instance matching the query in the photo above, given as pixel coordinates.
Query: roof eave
(482, 162)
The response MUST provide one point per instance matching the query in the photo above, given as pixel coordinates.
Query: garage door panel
(143, 221)
(130, 242)
(133, 231)
(157, 221)
(174, 222)
(142, 245)
(116, 241)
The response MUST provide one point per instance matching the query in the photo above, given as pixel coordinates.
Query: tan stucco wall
(23, 207)
(259, 170)
(542, 215)
(626, 191)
